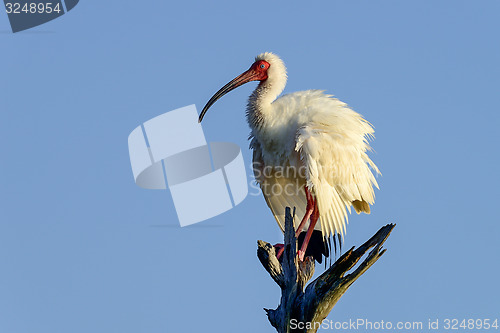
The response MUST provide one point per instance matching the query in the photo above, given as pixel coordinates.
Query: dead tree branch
(303, 311)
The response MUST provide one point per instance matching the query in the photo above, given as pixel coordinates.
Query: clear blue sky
(83, 249)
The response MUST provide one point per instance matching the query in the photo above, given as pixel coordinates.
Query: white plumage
(310, 139)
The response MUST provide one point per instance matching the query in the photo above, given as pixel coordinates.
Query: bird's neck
(259, 108)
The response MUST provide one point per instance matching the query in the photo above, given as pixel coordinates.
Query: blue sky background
(83, 249)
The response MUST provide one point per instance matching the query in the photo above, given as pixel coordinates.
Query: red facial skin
(260, 67)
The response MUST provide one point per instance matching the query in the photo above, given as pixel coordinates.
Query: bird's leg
(280, 247)
(314, 219)
(309, 210)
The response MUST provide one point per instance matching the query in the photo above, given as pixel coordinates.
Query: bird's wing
(333, 146)
(280, 189)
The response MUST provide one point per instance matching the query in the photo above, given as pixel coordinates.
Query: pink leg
(309, 210)
(314, 219)
(280, 252)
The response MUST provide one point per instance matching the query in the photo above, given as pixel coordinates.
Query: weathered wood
(311, 306)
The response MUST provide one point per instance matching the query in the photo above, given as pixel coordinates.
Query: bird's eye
(262, 66)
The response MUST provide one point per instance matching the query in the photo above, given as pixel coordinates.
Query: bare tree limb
(303, 311)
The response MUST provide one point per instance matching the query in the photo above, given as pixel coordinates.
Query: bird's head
(267, 68)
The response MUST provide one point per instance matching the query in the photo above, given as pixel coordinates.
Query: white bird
(309, 152)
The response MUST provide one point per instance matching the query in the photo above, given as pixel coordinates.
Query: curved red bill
(249, 75)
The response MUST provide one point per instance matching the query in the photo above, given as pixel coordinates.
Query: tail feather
(320, 246)
(361, 206)
(317, 247)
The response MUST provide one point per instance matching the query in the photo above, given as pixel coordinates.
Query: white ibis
(309, 152)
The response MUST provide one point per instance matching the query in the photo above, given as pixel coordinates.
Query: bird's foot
(301, 255)
(280, 248)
